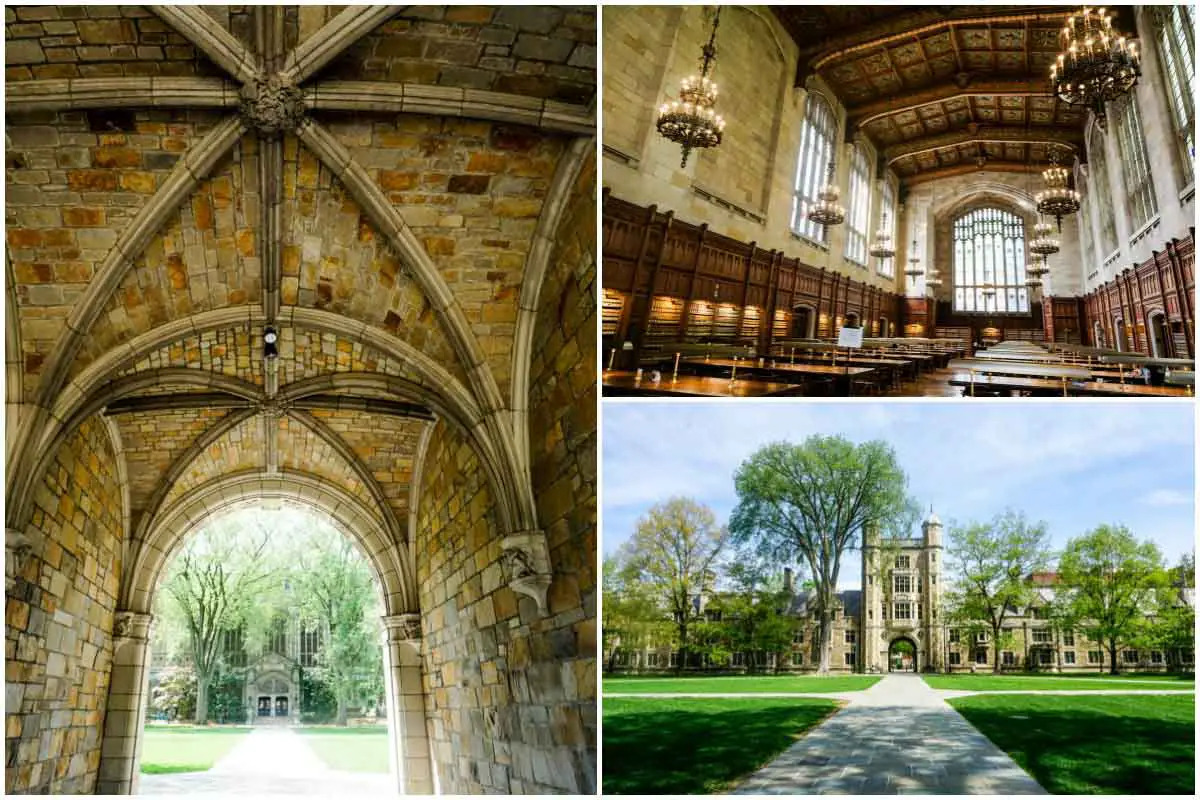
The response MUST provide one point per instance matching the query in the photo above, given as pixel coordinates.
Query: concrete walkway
(898, 737)
(269, 761)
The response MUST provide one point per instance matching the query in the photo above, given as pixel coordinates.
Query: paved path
(898, 737)
(269, 761)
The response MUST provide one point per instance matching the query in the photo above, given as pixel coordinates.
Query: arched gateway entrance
(268, 300)
(902, 655)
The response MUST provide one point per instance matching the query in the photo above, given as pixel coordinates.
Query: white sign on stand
(850, 337)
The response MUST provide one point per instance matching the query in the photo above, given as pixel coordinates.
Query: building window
(1177, 54)
(989, 248)
(1040, 612)
(901, 584)
(797, 659)
(1093, 656)
(739, 659)
(277, 641)
(798, 636)
(1044, 657)
(1156, 657)
(860, 207)
(1068, 657)
(310, 646)
(673, 659)
(955, 658)
(1007, 658)
(1130, 656)
(651, 659)
(954, 634)
(1139, 187)
(234, 648)
(849, 658)
(851, 637)
(1041, 636)
(621, 658)
(1069, 638)
(981, 655)
(902, 562)
(1102, 192)
(887, 266)
(981, 637)
(903, 611)
(816, 151)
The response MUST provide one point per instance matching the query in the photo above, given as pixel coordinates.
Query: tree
(213, 584)
(333, 587)
(174, 696)
(754, 611)
(673, 552)
(633, 616)
(811, 502)
(991, 564)
(1113, 583)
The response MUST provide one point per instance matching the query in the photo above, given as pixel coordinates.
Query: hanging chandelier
(933, 280)
(882, 248)
(1098, 64)
(989, 289)
(1044, 243)
(914, 270)
(1058, 199)
(1033, 283)
(827, 211)
(1038, 268)
(690, 121)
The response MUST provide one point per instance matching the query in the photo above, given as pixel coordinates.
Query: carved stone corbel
(17, 547)
(131, 627)
(404, 629)
(526, 564)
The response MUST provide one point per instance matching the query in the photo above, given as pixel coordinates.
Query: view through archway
(902, 656)
(267, 662)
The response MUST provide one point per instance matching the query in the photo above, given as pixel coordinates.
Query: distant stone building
(902, 602)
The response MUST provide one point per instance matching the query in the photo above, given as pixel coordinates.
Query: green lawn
(362, 749)
(694, 746)
(186, 748)
(738, 684)
(983, 683)
(1093, 745)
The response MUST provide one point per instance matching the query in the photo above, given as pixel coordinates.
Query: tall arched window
(1177, 54)
(860, 207)
(816, 150)
(1101, 194)
(1135, 164)
(887, 266)
(989, 248)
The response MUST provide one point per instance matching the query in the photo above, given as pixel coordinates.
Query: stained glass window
(989, 248)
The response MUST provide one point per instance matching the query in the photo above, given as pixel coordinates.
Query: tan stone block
(439, 246)
(91, 180)
(487, 162)
(396, 181)
(139, 182)
(114, 157)
(83, 217)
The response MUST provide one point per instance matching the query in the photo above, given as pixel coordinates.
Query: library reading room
(898, 200)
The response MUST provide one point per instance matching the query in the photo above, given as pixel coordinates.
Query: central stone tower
(902, 598)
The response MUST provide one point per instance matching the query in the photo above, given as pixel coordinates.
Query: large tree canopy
(1113, 585)
(674, 551)
(990, 567)
(811, 503)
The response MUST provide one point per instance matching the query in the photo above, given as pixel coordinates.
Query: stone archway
(903, 655)
(804, 322)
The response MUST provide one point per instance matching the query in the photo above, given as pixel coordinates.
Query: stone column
(125, 712)
(406, 704)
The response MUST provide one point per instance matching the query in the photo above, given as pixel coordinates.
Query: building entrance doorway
(1159, 335)
(802, 322)
(902, 655)
(264, 706)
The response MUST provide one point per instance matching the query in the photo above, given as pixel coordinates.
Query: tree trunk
(683, 648)
(826, 640)
(342, 709)
(202, 700)
(1112, 656)
(995, 649)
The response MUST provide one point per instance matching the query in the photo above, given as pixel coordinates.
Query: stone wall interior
(340, 257)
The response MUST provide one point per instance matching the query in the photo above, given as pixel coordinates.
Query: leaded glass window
(1135, 164)
(816, 150)
(860, 207)
(989, 248)
(1101, 192)
(1177, 55)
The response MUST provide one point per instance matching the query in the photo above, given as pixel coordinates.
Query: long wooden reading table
(841, 376)
(973, 385)
(627, 384)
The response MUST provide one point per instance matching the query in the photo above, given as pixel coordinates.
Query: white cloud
(1167, 497)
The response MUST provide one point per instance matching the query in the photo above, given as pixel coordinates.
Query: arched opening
(1097, 334)
(804, 320)
(902, 655)
(885, 327)
(270, 609)
(852, 319)
(1119, 335)
(1160, 336)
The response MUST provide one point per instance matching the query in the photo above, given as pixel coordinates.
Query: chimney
(787, 581)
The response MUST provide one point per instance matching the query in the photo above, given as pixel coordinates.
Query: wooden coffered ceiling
(937, 87)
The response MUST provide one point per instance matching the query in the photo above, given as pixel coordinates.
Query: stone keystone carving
(272, 105)
(17, 547)
(132, 625)
(526, 564)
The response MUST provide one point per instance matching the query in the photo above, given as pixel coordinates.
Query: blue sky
(1074, 465)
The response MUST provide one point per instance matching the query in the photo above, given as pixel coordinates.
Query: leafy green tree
(990, 564)
(174, 696)
(1113, 584)
(673, 553)
(754, 612)
(332, 584)
(214, 583)
(633, 616)
(811, 502)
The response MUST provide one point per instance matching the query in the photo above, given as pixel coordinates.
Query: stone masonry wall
(497, 673)
(58, 622)
(562, 433)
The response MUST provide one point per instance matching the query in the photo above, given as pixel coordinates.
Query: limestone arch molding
(353, 517)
